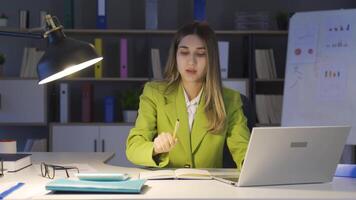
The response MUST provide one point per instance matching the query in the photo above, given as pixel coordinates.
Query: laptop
(292, 155)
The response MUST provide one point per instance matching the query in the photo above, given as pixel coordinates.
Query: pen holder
(8, 146)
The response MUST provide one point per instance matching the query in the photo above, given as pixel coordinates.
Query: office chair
(249, 113)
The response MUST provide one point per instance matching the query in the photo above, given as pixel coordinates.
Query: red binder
(87, 97)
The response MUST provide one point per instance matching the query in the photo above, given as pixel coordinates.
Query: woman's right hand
(163, 143)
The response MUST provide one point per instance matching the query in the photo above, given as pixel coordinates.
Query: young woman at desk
(185, 120)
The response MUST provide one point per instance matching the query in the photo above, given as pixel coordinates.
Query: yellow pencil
(176, 128)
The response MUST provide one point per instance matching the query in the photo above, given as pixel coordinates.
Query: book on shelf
(87, 98)
(183, 173)
(98, 67)
(156, 64)
(13, 162)
(42, 19)
(24, 19)
(36, 145)
(101, 15)
(123, 58)
(30, 58)
(151, 14)
(64, 103)
(224, 58)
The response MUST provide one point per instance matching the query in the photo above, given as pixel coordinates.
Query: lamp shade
(64, 57)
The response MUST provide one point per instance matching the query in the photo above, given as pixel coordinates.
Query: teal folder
(129, 186)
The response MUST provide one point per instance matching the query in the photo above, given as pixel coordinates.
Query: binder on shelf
(151, 14)
(87, 96)
(123, 58)
(24, 21)
(64, 102)
(109, 108)
(199, 10)
(224, 58)
(101, 14)
(156, 64)
(68, 21)
(98, 71)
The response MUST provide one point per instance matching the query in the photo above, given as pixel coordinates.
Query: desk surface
(340, 188)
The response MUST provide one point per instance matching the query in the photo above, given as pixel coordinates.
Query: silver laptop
(292, 155)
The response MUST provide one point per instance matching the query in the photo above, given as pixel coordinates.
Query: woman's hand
(163, 143)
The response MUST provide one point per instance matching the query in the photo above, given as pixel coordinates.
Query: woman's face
(192, 59)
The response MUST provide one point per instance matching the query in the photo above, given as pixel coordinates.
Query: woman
(191, 93)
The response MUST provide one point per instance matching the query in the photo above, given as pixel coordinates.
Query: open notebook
(184, 173)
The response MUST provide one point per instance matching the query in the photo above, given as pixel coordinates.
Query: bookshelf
(126, 19)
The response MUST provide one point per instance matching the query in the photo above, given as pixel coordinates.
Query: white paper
(337, 35)
(304, 44)
(332, 82)
(297, 75)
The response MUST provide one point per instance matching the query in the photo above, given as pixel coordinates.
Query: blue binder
(199, 10)
(109, 109)
(101, 14)
(68, 185)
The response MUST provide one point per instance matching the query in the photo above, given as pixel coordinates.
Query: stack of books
(15, 162)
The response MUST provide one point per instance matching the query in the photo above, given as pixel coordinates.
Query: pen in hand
(175, 129)
(10, 190)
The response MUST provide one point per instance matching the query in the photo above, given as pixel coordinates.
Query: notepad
(176, 174)
(69, 185)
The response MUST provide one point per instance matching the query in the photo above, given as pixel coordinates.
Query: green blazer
(158, 113)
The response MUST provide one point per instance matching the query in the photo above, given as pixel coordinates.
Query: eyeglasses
(49, 171)
(1, 167)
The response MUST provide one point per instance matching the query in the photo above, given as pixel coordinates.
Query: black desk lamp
(63, 56)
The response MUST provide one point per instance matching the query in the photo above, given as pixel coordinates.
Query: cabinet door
(22, 101)
(74, 138)
(113, 139)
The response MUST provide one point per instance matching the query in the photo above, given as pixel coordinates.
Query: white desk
(340, 188)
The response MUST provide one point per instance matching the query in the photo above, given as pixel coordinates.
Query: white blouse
(192, 107)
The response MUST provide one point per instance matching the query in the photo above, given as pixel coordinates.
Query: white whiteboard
(320, 83)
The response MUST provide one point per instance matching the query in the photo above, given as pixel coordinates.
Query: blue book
(67, 185)
(101, 14)
(346, 170)
(151, 14)
(199, 10)
(109, 109)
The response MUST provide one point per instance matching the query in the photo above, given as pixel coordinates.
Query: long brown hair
(214, 104)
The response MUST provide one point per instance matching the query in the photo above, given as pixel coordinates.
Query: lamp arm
(22, 34)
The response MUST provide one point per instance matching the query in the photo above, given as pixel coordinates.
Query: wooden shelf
(152, 32)
(93, 124)
(17, 78)
(21, 124)
(272, 87)
(113, 79)
(270, 80)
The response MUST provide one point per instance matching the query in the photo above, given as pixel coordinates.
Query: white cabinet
(22, 101)
(91, 138)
